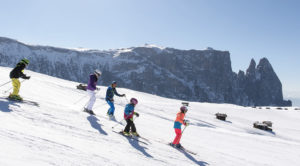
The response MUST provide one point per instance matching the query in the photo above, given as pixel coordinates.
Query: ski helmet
(183, 108)
(98, 72)
(25, 61)
(134, 101)
(114, 82)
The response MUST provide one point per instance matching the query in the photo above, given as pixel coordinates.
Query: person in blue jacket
(111, 91)
(128, 116)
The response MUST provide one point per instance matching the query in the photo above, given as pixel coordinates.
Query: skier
(15, 74)
(91, 91)
(177, 126)
(128, 116)
(111, 91)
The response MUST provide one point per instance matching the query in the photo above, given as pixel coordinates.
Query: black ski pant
(130, 125)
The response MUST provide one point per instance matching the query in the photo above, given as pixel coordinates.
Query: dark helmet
(114, 82)
(183, 108)
(134, 101)
(25, 61)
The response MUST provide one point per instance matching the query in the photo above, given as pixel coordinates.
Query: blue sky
(246, 28)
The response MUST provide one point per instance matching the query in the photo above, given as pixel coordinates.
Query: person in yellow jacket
(15, 74)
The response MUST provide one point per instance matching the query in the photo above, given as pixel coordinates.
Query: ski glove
(136, 114)
(123, 95)
(27, 77)
(186, 122)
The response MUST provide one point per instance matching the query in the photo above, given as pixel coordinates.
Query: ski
(143, 138)
(186, 150)
(23, 101)
(183, 149)
(131, 137)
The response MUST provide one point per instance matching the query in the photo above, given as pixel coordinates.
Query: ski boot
(178, 146)
(126, 133)
(15, 97)
(173, 145)
(135, 134)
(89, 111)
(111, 117)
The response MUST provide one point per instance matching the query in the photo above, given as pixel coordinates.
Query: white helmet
(98, 72)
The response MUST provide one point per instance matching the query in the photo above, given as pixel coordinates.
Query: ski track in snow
(58, 132)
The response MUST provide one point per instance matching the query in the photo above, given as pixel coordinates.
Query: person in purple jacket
(91, 91)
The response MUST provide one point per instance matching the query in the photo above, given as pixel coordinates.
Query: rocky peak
(265, 66)
(251, 68)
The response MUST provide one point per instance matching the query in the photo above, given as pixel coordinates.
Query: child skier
(91, 91)
(177, 126)
(128, 116)
(111, 91)
(15, 74)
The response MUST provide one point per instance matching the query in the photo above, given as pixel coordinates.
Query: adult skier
(14, 75)
(128, 116)
(177, 126)
(91, 91)
(110, 92)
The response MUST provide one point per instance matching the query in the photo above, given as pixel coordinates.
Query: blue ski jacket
(129, 111)
(110, 92)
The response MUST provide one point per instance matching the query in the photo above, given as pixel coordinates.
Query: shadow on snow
(135, 144)
(189, 156)
(4, 105)
(94, 123)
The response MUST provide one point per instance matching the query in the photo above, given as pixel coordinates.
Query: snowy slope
(57, 133)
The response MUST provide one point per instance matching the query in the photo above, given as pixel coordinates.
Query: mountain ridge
(194, 75)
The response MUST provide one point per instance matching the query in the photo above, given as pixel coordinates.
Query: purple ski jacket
(92, 82)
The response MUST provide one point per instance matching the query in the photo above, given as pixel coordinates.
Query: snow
(57, 132)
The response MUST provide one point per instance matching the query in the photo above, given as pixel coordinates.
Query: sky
(246, 28)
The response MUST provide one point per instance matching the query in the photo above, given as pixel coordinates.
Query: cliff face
(194, 75)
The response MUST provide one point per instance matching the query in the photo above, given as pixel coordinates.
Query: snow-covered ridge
(57, 132)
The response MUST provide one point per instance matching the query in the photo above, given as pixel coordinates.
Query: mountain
(57, 132)
(193, 75)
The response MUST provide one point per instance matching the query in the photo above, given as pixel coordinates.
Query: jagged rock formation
(194, 75)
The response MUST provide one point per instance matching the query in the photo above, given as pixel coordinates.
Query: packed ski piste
(104, 120)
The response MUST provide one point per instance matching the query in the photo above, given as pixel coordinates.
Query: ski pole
(183, 130)
(80, 99)
(126, 99)
(118, 124)
(83, 98)
(4, 83)
(12, 87)
(121, 122)
(90, 99)
(99, 105)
